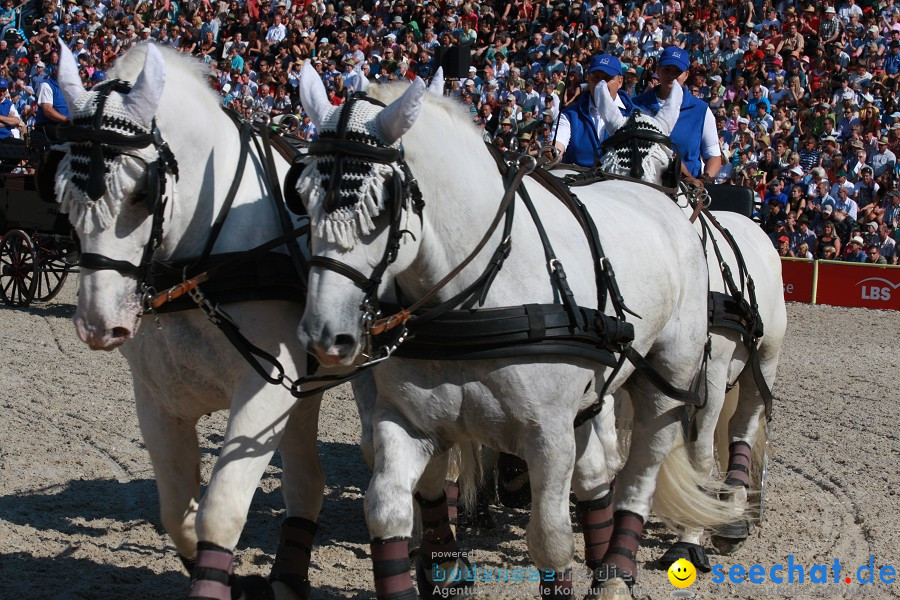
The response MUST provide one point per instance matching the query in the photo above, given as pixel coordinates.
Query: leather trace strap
(387, 323)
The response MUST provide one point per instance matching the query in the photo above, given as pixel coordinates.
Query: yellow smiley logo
(682, 573)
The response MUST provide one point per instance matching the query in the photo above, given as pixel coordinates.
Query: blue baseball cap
(98, 76)
(4, 84)
(673, 56)
(607, 63)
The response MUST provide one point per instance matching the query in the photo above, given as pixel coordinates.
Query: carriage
(37, 250)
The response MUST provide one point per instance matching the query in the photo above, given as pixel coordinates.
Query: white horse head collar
(346, 181)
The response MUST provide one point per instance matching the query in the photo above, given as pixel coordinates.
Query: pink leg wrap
(212, 574)
(294, 550)
(739, 464)
(436, 533)
(390, 564)
(621, 557)
(596, 520)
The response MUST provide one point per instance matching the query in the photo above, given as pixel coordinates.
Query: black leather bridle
(105, 143)
(402, 189)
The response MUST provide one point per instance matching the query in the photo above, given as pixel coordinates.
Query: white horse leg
(255, 426)
(701, 449)
(655, 425)
(551, 463)
(364, 392)
(175, 454)
(400, 460)
(303, 488)
(591, 484)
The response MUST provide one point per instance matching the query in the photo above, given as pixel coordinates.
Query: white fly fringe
(345, 225)
(87, 215)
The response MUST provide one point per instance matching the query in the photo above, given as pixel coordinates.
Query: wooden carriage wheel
(52, 272)
(18, 269)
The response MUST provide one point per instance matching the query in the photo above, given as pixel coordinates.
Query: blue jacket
(5, 130)
(688, 131)
(584, 145)
(59, 103)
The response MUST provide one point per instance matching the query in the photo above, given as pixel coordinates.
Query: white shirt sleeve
(45, 94)
(13, 112)
(709, 142)
(563, 131)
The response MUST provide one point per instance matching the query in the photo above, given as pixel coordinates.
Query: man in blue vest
(580, 126)
(695, 132)
(10, 121)
(52, 111)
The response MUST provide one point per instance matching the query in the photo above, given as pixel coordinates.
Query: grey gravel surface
(78, 507)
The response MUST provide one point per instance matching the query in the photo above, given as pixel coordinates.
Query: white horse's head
(653, 157)
(100, 184)
(361, 202)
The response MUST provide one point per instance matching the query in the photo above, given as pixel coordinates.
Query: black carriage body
(37, 249)
(21, 207)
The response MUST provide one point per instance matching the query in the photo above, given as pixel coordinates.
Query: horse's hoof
(296, 588)
(728, 544)
(729, 538)
(253, 587)
(445, 585)
(692, 553)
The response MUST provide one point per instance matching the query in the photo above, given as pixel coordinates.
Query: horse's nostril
(120, 332)
(344, 341)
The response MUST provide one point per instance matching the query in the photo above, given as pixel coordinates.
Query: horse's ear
(142, 101)
(668, 114)
(612, 116)
(313, 96)
(399, 116)
(67, 75)
(436, 86)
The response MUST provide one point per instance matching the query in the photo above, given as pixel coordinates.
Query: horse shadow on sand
(72, 511)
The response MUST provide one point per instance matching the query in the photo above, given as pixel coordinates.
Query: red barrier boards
(858, 285)
(797, 275)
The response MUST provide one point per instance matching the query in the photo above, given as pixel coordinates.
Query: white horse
(367, 242)
(184, 367)
(728, 365)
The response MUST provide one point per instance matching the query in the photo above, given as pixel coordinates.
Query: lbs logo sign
(876, 288)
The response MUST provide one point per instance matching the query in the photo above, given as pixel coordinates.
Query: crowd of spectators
(804, 93)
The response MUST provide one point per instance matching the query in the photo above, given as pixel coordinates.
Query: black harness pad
(731, 198)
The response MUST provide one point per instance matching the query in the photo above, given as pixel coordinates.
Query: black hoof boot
(252, 587)
(729, 538)
(693, 553)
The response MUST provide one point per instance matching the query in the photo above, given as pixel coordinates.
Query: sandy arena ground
(78, 506)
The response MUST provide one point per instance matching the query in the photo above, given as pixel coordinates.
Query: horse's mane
(184, 73)
(436, 112)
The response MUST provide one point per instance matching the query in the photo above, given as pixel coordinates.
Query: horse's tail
(687, 498)
(465, 464)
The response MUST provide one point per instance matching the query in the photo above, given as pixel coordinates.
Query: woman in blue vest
(695, 132)
(580, 127)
